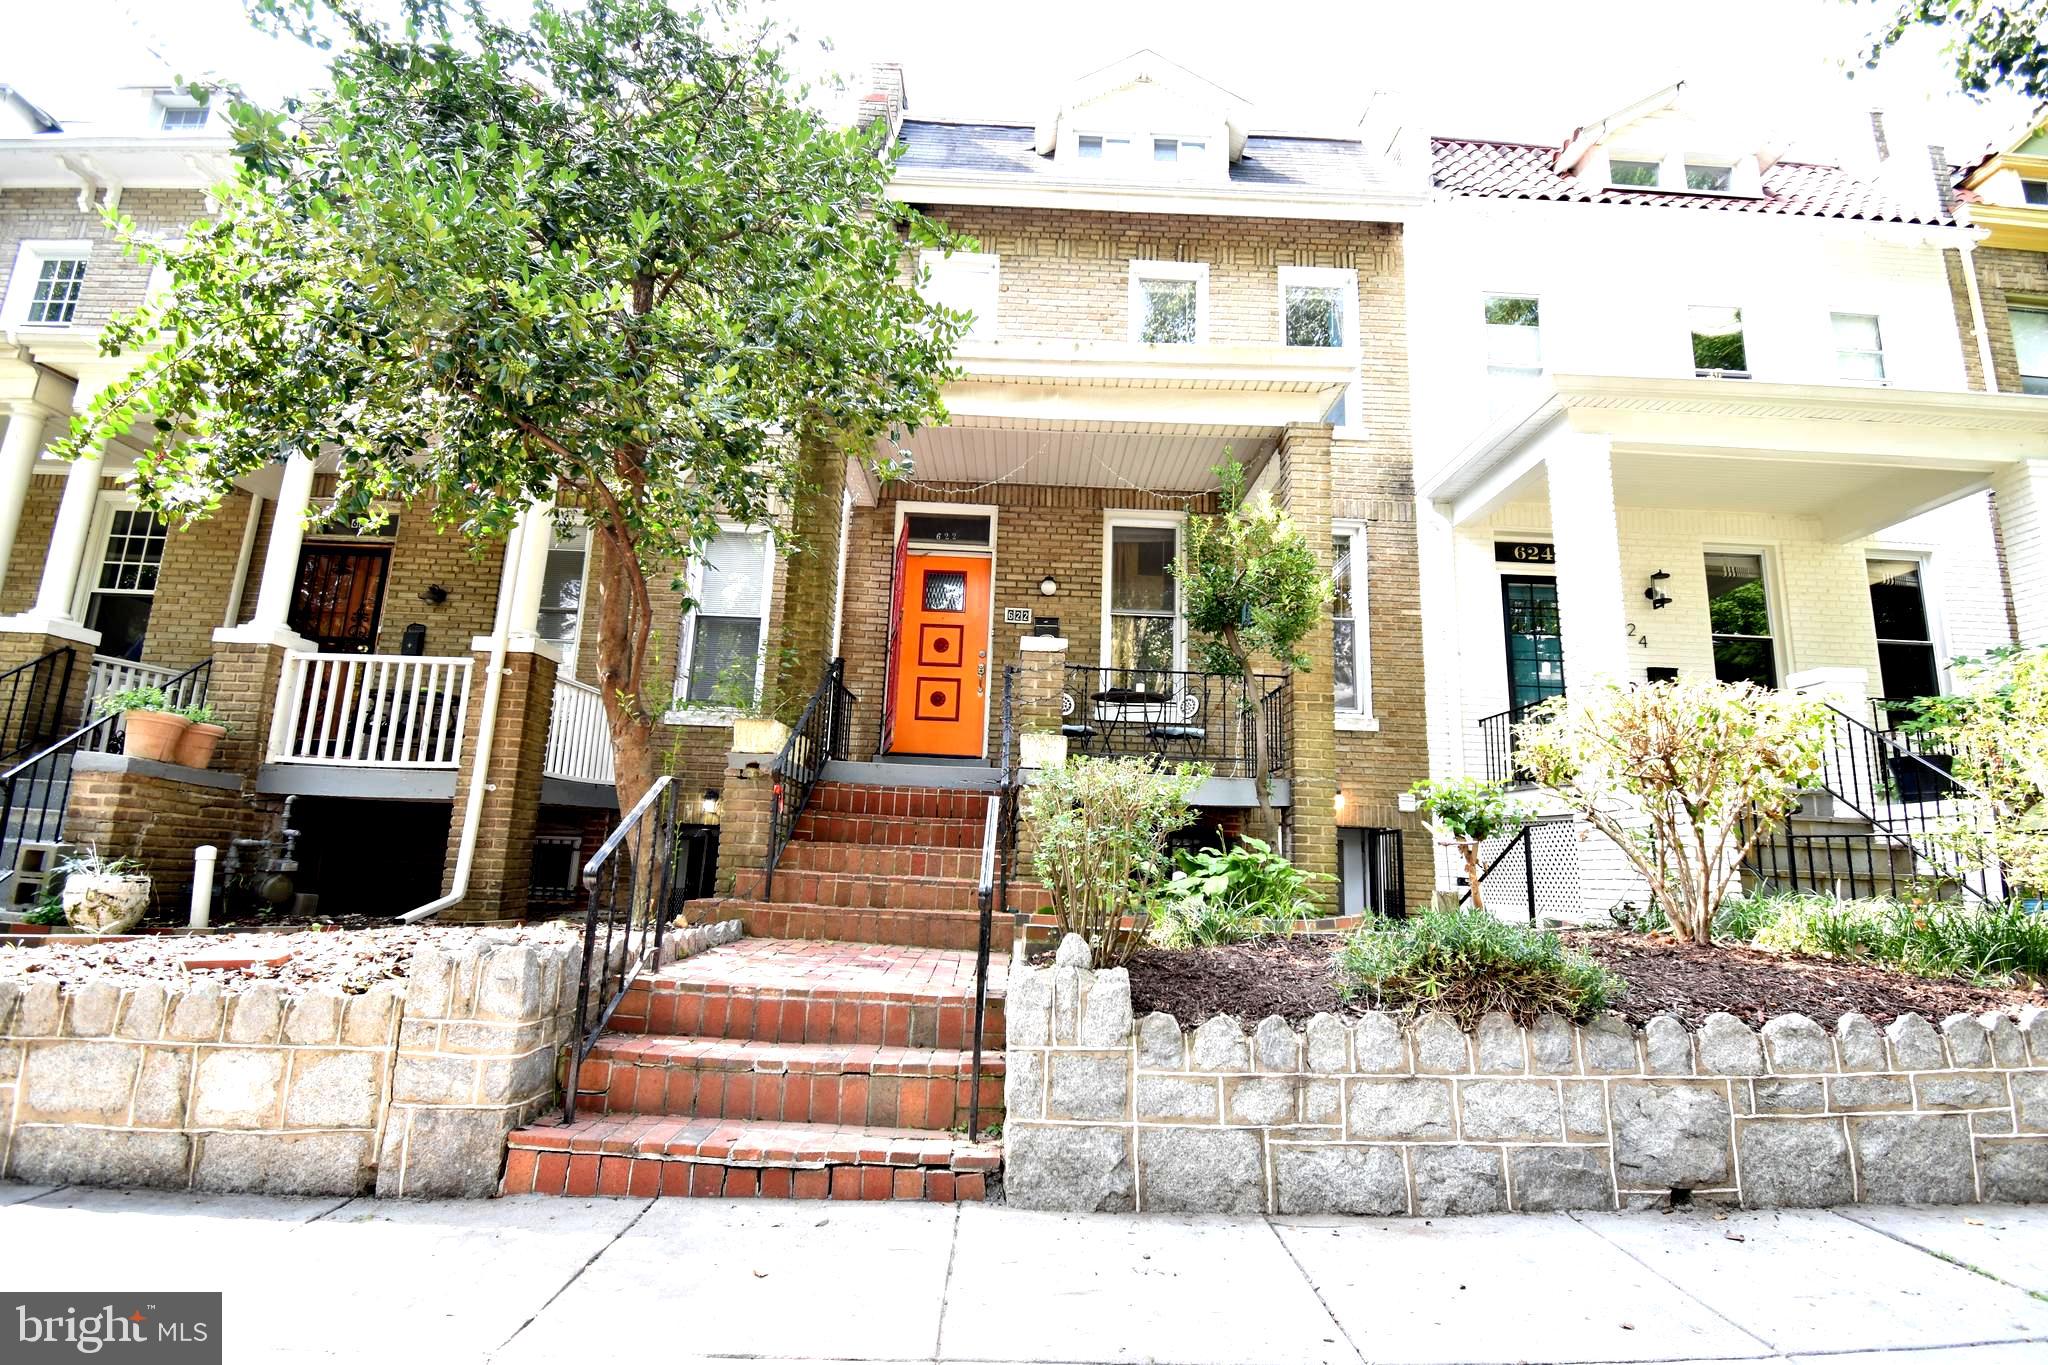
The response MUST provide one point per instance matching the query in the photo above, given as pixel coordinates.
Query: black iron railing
(998, 846)
(32, 702)
(35, 791)
(1385, 872)
(1173, 715)
(819, 736)
(1502, 748)
(636, 885)
(1844, 865)
(1522, 868)
(1276, 714)
(1913, 800)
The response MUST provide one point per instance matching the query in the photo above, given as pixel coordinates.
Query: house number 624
(1642, 640)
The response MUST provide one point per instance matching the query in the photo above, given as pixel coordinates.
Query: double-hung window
(1144, 605)
(47, 284)
(967, 281)
(123, 590)
(722, 633)
(1859, 348)
(1351, 649)
(1319, 307)
(1739, 613)
(1908, 663)
(1169, 302)
(1718, 351)
(1514, 344)
(2030, 347)
(561, 586)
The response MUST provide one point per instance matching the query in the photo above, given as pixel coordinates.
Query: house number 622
(1642, 640)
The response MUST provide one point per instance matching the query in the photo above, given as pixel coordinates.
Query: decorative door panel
(939, 675)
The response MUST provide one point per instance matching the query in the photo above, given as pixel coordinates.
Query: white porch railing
(579, 736)
(108, 676)
(371, 710)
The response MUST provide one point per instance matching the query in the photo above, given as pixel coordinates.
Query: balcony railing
(1501, 747)
(371, 710)
(181, 687)
(1175, 716)
(579, 735)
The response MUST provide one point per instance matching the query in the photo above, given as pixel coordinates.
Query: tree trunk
(625, 621)
(1470, 850)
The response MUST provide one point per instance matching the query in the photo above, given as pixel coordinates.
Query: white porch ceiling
(1166, 457)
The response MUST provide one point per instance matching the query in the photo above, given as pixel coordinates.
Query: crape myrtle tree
(606, 255)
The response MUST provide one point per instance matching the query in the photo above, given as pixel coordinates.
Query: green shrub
(1740, 918)
(1098, 828)
(1466, 963)
(1992, 945)
(1225, 896)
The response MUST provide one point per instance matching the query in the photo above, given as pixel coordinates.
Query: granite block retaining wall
(1370, 1115)
(406, 1089)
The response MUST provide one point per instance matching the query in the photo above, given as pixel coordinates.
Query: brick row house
(1652, 400)
(1688, 406)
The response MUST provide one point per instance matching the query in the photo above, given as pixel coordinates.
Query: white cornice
(1013, 191)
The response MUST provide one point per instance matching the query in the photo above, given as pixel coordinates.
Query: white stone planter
(101, 904)
(1038, 749)
(758, 735)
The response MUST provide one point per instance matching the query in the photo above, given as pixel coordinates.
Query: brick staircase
(828, 1054)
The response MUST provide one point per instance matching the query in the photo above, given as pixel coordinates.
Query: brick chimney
(884, 98)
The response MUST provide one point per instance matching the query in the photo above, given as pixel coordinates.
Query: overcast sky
(1531, 69)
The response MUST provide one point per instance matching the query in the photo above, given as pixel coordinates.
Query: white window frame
(1774, 602)
(1930, 598)
(1485, 333)
(932, 263)
(721, 715)
(1706, 163)
(1692, 357)
(1116, 147)
(564, 518)
(1656, 161)
(2029, 182)
(111, 500)
(167, 104)
(28, 264)
(1884, 376)
(1111, 520)
(2038, 310)
(1361, 717)
(1345, 281)
(1142, 270)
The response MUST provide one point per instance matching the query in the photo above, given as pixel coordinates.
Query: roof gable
(1147, 87)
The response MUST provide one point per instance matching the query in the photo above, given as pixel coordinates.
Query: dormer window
(2035, 192)
(1704, 175)
(1100, 147)
(1633, 174)
(1172, 148)
(181, 118)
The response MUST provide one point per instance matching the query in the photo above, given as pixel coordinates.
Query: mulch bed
(1294, 978)
(351, 959)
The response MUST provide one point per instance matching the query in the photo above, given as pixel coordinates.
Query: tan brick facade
(501, 870)
(2005, 278)
(154, 817)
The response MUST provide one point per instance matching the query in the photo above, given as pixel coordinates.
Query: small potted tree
(201, 738)
(1464, 812)
(103, 895)
(153, 726)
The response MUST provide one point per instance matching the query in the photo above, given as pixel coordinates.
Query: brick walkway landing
(781, 1068)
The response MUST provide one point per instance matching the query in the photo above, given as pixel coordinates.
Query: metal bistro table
(1162, 716)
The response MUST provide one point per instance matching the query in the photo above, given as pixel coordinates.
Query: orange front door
(940, 673)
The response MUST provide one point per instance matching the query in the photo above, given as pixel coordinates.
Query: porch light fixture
(711, 800)
(1655, 592)
(1048, 585)
(1340, 798)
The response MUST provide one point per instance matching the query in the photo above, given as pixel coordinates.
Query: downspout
(1977, 324)
(233, 615)
(486, 729)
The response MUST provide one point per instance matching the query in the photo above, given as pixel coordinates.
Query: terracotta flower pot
(155, 734)
(100, 904)
(197, 745)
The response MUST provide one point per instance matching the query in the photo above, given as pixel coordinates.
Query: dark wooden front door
(339, 596)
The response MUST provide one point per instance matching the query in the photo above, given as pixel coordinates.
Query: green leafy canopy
(607, 254)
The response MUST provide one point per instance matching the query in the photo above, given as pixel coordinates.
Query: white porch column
(1580, 470)
(2022, 491)
(534, 537)
(67, 541)
(19, 450)
(280, 563)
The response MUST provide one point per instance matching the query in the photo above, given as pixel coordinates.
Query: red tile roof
(1521, 170)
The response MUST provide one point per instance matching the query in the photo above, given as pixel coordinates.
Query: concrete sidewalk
(565, 1280)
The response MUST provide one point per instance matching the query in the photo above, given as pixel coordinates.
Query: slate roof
(1270, 162)
(1520, 170)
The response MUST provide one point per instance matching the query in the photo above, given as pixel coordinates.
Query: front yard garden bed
(1296, 978)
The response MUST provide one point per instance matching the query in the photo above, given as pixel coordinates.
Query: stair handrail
(818, 736)
(97, 735)
(996, 848)
(27, 724)
(642, 850)
(1854, 778)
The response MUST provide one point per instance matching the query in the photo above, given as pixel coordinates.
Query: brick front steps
(796, 1069)
(652, 1155)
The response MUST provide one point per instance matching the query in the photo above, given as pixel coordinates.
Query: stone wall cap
(149, 767)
